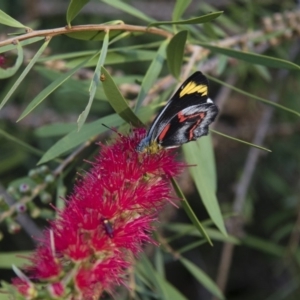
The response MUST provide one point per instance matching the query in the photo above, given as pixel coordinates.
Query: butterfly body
(185, 117)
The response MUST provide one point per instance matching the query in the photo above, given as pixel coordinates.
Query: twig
(23, 219)
(85, 28)
(72, 156)
(42, 186)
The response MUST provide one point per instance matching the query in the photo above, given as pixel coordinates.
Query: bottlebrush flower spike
(2, 61)
(107, 219)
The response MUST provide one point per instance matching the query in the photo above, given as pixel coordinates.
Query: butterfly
(185, 117)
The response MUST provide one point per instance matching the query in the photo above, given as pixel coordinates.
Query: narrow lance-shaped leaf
(16, 258)
(128, 9)
(181, 229)
(205, 145)
(263, 246)
(75, 138)
(5, 19)
(152, 74)
(117, 101)
(240, 141)
(24, 73)
(93, 35)
(202, 278)
(204, 181)
(198, 20)
(95, 82)
(5, 73)
(21, 143)
(49, 89)
(263, 100)
(175, 51)
(117, 57)
(179, 9)
(74, 8)
(23, 43)
(190, 212)
(155, 278)
(56, 129)
(253, 57)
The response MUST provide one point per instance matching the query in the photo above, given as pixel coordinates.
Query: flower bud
(24, 188)
(56, 290)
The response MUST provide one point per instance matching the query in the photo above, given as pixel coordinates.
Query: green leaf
(74, 8)
(95, 82)
(95, 35)
(49, 89)
(222, 64)
(117, 101)
(183, 229)
(61, 192)
(172, 292)
(153, 276)
(175, 52)
(74, 85)
(206, 146)
(198, 20)
(5, 19)
(118, 57)
(240, 141)
(253, 57)
(179, 9)
(21, 180)
(204, 180)
(263, 245)
(5, 73)
(190, 212)
(202, 278)
(64, 56)
(12, 156)
(75, 138)
(152, 74)
(128, 9)
(268, 102)
(13, 258)
(24, 73)
(52, 130)
(124, 53)
(23, 43)
(21, 143)
(264, 72)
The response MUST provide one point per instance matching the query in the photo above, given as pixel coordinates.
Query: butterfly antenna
(112, 129)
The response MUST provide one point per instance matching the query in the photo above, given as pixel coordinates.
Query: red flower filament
(107, 219)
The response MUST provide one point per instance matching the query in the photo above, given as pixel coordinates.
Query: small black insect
(108, 228)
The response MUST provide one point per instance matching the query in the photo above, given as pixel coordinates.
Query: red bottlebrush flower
(2, 61)
(56, 289)
(106, 221)
(44, 265)
(25, 288)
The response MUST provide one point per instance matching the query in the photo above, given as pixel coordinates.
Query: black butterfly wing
(193, 91)
(188, 125)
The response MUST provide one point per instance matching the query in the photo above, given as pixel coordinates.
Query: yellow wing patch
(192, 87)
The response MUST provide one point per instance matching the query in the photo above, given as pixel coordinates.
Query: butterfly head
(146, 145)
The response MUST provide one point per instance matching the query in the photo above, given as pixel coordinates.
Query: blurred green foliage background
(258, 191)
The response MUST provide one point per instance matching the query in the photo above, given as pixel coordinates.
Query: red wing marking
(163, 133)
(191, 133)
(182, 117)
